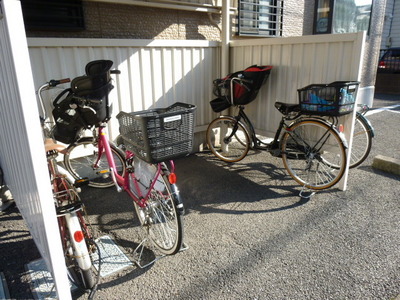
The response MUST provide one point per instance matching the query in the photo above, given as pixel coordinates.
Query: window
(53, 15)
(342, 16)
(260, 17)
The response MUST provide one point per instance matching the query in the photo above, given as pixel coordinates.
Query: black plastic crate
(334, 99)
(158, 135)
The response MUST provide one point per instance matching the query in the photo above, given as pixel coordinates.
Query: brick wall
(298, 17)
(105, 20)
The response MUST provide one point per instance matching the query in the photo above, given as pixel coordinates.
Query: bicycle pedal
(81, 182)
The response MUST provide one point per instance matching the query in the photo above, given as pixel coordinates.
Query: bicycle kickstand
(306, 193)
(138, 253)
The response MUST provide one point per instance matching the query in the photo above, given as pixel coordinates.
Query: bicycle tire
(313, 154)
(362, 141)
(160, 218)
(82, 166)
(231, 147)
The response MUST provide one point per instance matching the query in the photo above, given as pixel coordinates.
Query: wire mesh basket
(158, 135)
(334, 99)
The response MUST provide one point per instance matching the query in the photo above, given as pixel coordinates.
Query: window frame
(331, 16)
(50, 15)
(274, 18)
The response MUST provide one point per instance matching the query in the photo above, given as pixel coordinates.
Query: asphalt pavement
(249, 234)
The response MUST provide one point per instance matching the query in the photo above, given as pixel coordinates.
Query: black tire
(82, 166)
(362, 141)
(160, 218)
(225, 144)
(313, 154)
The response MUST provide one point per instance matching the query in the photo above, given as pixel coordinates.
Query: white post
(225, 38)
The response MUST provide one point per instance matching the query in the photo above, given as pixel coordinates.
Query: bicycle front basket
(334, 99)
(158, 135)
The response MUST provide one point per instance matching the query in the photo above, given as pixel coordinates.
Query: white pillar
(22, 152)
(225, 37)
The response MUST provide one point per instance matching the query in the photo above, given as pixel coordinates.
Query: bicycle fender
(80, 249)
(178, 200)
(366, 121)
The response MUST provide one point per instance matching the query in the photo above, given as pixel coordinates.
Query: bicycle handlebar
(52, 83)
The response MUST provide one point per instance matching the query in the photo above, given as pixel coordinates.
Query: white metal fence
(158, 73)
(153, 73)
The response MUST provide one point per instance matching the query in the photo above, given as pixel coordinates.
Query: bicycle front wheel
(80, 160)
(228, 139)
(362, 141)
(160, 217)
(313, 154)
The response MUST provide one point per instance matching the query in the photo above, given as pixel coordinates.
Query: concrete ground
(250, 236)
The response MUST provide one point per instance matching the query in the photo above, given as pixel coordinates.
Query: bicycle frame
(274, 144)
(123, 181)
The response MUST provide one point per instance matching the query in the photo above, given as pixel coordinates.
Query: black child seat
(239, 88)
(86, 102)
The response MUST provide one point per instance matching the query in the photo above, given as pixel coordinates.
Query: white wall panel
(22, 153)
(153, 73)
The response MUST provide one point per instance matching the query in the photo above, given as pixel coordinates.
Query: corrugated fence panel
(298, 62)
(153, 73)
(22, 153)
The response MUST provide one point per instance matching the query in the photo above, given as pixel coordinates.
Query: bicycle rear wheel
(81, 156)
(313, 154)
(228, 139)
(84, 278)
(362, 141)
(68, 203)
(160, 217)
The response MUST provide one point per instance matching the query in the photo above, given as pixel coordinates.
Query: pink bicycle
(142, 165)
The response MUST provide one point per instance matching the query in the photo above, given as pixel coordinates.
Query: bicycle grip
(54, 82)
(115, 72)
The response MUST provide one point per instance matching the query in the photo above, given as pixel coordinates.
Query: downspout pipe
(225, 38)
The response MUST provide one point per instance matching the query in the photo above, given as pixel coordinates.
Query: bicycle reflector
(172, 178)
(78, 236)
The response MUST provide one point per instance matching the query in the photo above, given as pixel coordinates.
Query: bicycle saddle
(287, 108)
(50, 145)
